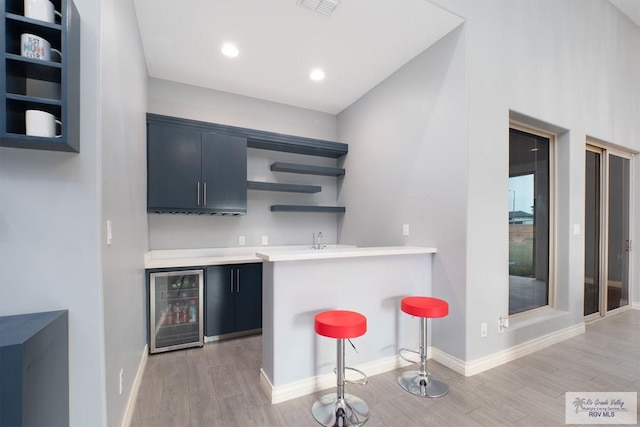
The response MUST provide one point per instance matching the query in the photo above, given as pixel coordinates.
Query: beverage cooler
(175, 310)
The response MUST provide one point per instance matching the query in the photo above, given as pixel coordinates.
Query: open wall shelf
(306, 169)
(276, 186)
(51, 86)
(306, 208)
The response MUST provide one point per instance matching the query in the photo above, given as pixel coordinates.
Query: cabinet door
(224, 172)
(248, 298)
(173, 168)
(219, 301)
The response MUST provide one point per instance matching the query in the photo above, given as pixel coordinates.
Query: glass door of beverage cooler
(175, 315)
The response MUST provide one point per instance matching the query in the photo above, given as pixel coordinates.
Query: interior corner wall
(123, 165)
(49, 218)
(176, 231)
(572, 64)
(407, 164)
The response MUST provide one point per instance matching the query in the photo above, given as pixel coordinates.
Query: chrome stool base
(350, 411)
(422, 385)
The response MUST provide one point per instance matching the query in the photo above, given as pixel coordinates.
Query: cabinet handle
(238, 280)
(198, 193)
(204, 193)
(231, 281)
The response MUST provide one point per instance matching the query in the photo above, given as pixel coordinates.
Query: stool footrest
(364, 381)
(402, 350)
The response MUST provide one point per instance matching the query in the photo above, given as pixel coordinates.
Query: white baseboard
(317, 383)
(635, 305)
(135, 388)
(496, 359)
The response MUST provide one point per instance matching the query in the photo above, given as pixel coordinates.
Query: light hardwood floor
(218, 386)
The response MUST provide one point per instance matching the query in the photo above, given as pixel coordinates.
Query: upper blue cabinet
(40, 75)
(190, 171)
(198, 167)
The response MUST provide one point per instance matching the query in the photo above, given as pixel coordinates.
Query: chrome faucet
(317, 240)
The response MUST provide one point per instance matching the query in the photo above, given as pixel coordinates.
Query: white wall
(429, 147)
(407, 164)
(123, 201)
(168, 231)
(49, 258)
(573, 64)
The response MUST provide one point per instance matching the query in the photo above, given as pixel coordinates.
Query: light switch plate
(265, 240)
(405, 229)
(241, 241)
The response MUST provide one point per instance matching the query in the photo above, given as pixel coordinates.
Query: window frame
(553, 154)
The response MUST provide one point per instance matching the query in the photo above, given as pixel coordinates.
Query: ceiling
(359, 45)
(631, 8)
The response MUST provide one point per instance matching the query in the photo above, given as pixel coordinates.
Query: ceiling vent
(324, 7)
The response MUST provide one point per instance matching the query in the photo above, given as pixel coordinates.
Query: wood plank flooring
(218, 385)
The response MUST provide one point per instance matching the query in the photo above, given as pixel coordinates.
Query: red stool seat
(340, 324)
(424, 307)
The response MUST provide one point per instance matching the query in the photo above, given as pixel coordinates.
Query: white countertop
(171, 258)
(339, 252)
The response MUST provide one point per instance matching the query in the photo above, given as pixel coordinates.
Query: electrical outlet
(405, 229)
(265, 240)
(483, 330)
(120, 386)
(503, 323)
(241, 241)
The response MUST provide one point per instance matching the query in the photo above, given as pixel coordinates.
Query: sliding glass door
(618, 239)
(607, 230)
(592, 230)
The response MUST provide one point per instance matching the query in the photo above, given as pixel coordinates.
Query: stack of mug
(39, 123)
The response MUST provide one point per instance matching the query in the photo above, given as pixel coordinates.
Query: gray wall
(429, 147)
(123, 200)
(572, 64)
(168, 231)
(407, 164)
(49, 252)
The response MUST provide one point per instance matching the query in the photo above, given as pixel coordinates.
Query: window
(530, 219)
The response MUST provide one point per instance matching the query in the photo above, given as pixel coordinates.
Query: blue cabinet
(191, 171)
(233, 298)
(174, 174)
(34, 369)
(50, 86)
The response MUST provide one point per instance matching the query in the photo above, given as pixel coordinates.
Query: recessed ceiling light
(317, 75)
(230, 50)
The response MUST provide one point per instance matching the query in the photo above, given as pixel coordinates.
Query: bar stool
(420, 382)
(340, 409)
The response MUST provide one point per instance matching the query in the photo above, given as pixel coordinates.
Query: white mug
(41, 123)
(32, 46)
(42, 10)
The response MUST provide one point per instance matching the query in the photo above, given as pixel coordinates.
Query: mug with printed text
(32, 46)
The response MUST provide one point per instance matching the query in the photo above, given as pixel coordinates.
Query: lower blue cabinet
(233, 298)
(34, 369)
